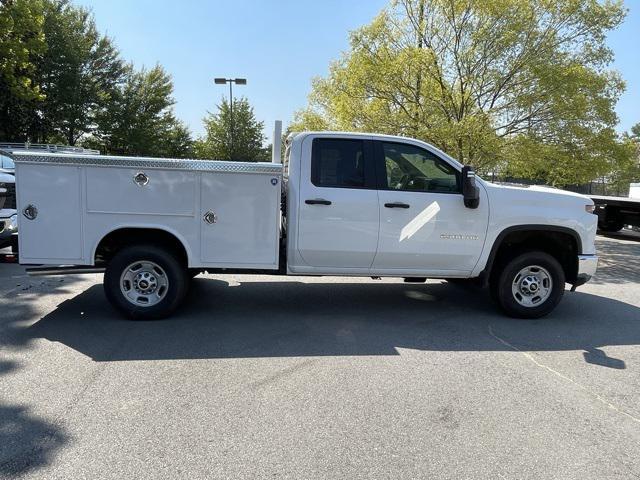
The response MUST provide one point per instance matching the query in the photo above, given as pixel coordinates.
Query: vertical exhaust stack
(276, 151)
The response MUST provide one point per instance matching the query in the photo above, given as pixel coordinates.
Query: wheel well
(560, 244)
(124, 237)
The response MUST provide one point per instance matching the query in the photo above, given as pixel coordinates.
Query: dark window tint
(414, 169)
(337, 163)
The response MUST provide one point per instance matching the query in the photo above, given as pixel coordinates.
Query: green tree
(22, 41)
(139, 119)
(625, 167)
(58, 72)
(521, 86)
(248, 136)
(79, 74)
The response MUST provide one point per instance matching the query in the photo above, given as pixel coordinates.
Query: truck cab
(343, 204)
(378, 205)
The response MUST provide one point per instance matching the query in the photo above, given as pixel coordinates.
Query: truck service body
(342, 204)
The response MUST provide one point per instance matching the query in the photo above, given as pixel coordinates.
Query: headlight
(12, 224)
(3, 187)
(590, 208)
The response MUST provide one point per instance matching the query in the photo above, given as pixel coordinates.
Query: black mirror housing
(470, 191)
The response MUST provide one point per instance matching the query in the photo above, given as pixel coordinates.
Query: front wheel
(530, 285)
(145, 282)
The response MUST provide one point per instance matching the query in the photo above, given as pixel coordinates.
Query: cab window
(339, 163)
(410, 168)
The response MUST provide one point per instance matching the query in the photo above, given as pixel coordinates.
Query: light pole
(230, 81)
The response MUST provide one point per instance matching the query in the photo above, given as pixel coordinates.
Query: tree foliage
(61, 81)
(21, 42)
(79, 74)
(139, 118)
(521, 86)
(246, 143)
(627, 169)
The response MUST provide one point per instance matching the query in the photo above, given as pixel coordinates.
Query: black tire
(501, 287)
(174, 272)
(610, 227)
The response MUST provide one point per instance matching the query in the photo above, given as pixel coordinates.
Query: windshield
(6, 162)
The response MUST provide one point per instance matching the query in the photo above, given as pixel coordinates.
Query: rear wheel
(145, 282)
(529, 285)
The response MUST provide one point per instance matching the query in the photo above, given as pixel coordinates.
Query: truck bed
(226, 214)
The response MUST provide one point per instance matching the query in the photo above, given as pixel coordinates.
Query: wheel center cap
(529, 285)
(145, 283)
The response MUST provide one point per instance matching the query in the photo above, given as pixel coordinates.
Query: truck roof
(374, 136)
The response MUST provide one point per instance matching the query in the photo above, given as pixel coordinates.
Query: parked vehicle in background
(8, 215)
(354, 205)
(614, 213)
(7, 165)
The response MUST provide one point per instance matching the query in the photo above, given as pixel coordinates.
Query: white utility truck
(342, 204)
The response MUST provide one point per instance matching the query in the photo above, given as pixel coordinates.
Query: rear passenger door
(338, 214)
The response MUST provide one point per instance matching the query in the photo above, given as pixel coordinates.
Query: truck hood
(539, 192)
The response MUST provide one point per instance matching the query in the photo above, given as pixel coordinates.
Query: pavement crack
(285, 372)
(564, 377)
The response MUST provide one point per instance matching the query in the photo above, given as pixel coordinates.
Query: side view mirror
(470, 191)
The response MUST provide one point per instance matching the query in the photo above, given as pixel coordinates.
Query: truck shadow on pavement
(289, 319)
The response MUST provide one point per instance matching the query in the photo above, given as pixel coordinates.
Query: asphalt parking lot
(270, 377)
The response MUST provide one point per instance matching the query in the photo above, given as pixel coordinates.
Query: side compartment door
(239, 218)
(424, 226)
(338, 217)
(53, 233)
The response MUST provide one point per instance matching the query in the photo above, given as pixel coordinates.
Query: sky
(278, 45)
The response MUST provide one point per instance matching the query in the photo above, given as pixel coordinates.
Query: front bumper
(587, 266)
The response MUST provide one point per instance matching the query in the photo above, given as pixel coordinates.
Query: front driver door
(424, 226)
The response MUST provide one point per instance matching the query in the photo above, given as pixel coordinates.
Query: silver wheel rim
(532, 286)
(144, 283)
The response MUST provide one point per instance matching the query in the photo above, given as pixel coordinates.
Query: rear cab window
(342, 163)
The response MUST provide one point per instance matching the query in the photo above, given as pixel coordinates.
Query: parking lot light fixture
(230, 81)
